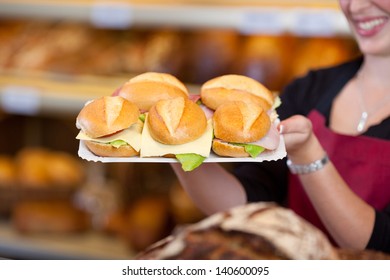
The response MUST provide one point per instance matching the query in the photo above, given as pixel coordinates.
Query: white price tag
(112, 15)
(313, 23)
(264, 21)
(20, 99)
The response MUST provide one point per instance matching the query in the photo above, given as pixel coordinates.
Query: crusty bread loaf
(148, 88)
(252, 231)
(107, 115)
(233, 88)
(240, 122)
(176, 121)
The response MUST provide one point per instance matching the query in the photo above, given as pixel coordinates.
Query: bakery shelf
(32, 94)
(89, 245)
(248, 17)
(36, 93)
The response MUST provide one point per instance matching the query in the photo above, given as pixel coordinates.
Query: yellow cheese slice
(131, 135)
(152, 148)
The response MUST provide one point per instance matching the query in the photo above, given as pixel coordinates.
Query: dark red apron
(362, 161)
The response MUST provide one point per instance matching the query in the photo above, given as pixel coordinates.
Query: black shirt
(317, 90)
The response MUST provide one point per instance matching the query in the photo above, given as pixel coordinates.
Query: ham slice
(208, 112)
(271, 140)
(194, 97)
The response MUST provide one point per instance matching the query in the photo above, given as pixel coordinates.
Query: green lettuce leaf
(142, 117)
(190, 161)
(118, 143)
(252, 150)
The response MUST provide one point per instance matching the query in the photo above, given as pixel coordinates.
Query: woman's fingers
(296, 130)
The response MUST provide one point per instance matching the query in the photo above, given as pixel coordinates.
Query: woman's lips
(370, 27)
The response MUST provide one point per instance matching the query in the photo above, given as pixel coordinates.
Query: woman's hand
(301, 144)
(326, 189)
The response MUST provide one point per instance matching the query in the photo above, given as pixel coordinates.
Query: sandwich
(243, 129)
(177, 127)
(110, 127)
(234, 88)
(146, 89)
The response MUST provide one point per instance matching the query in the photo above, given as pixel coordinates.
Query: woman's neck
(365, 99)
(376, 70)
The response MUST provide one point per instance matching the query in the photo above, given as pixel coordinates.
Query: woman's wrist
(308, 168)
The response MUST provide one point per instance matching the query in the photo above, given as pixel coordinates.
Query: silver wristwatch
(307, 168)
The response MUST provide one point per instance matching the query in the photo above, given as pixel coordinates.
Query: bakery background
(55, 57)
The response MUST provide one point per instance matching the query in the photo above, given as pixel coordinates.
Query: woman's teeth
(368, 25)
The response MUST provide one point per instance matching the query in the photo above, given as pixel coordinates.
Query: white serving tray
(277, 154)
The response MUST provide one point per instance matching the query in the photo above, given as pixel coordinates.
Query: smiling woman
(368, 20)
(341, 113)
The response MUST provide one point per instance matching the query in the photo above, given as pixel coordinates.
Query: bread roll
(233, 88)
(105, 150)
(107, 115)
(41, 168)
(238, 122)
(225, 149)
(176, 121)
(146, 89)
(61, 217)
(65, 170)
(8, 171)
(32, 165)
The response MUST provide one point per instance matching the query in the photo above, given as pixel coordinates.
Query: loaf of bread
(252, 231)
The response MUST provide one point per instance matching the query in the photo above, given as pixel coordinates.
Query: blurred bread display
(211, 53)
(40, 167)
(318, 52)
(151, 217)
(37, 173)
(266, 59)
(194, 56)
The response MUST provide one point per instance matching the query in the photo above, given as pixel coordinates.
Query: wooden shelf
(89, 245)
(28, 93)
(249, 17)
